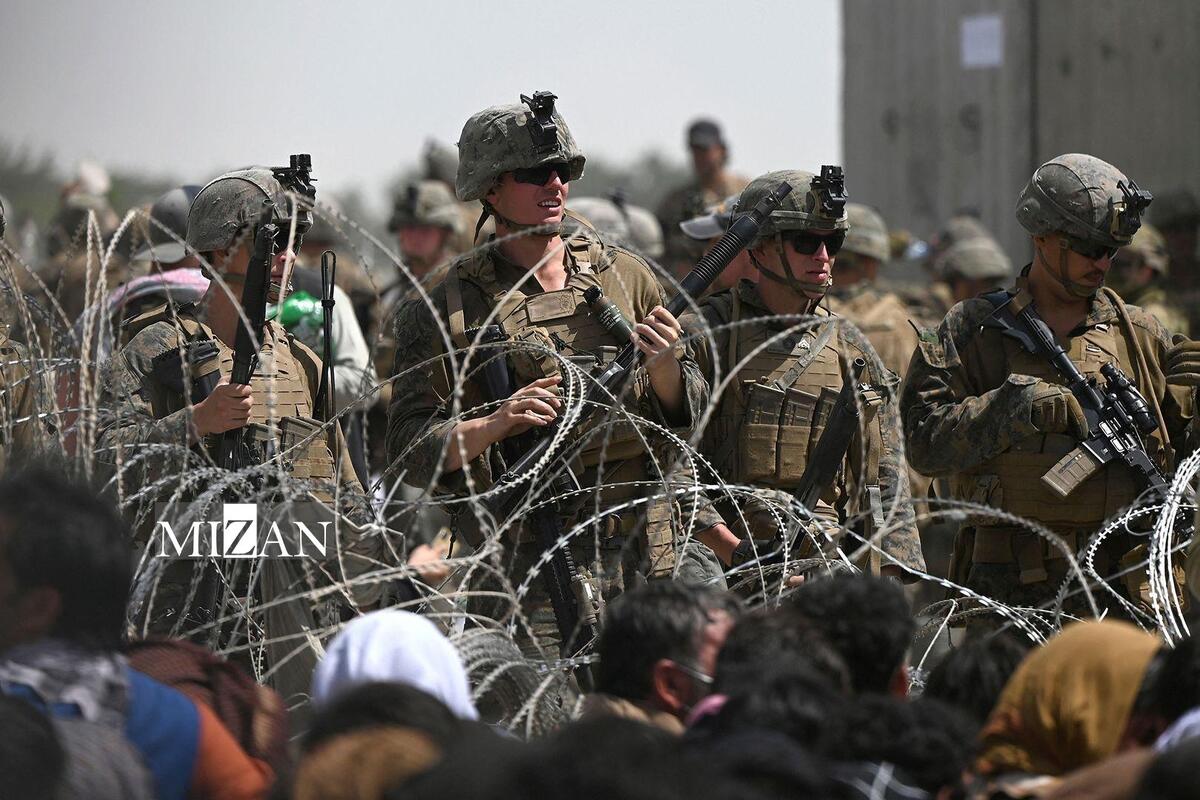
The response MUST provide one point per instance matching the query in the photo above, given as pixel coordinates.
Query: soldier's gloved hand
(768, 552)
(1056, 410)
(1183, 362)
(226, 409)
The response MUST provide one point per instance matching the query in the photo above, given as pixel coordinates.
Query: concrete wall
(927, 134)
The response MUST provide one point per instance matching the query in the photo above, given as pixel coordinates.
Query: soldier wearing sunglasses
(778, 360)
(994, 418)
(518, 161)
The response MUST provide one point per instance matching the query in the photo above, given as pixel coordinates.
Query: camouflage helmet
(645, 231)
(441, 162)
(235, 202)
(1085, 199)
(867, 235)
(977, 258)
(1149, 247)
(501, 139)
(816, 202)
(604, 216)
(426, 202)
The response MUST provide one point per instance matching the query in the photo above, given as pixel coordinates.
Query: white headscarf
(396, 646)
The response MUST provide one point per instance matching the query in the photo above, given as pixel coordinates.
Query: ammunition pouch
(1136, 579)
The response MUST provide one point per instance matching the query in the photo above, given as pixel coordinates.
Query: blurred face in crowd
(1129, 271)
(421, 242)
(679, 686)
(855, 270)
(707, 160)
(532, 197)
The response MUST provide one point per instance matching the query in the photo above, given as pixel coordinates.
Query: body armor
(540, 323)
(1012, 480)
(773, 412)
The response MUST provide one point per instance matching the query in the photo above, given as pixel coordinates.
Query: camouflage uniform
(773, 410)
(1149, 249)
(144, 403)
(684, 203)
(881, 315)
(539, 323)
(972, 398)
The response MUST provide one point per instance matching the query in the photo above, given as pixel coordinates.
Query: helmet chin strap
(1074, 289)
(513, 226)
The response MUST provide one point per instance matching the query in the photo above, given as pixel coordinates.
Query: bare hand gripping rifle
(270, 236)
(576, 602)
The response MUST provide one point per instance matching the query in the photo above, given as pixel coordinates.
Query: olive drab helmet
(977, 258)
(1150, 248)
(1088, 201)
(817, 202)
(427, 202)
(501, 139)
(868, 234)
(230, 206)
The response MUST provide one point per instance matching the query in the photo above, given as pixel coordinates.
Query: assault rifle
(830, 450)
(575, 601)
(270, 235)
(608, 386)
(1117, 414)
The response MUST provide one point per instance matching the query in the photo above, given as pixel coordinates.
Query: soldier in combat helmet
(146, 402)
(995, 418)
(772, 411)
(518, 161)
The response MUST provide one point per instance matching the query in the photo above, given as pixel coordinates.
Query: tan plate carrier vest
(776, 406)
(282, 416)
(562, 322)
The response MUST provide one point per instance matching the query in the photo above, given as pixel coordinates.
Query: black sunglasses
(1090, 251)
(808, 243)
(540, 176)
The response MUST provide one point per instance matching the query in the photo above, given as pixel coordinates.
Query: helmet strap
(1073, 288)
(513, 226)
(790, 281)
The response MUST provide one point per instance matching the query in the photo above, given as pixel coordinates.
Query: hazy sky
(190, 88)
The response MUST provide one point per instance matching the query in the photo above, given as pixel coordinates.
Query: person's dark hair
(971, 677)
(763, 764)
(765, 638)
(1170, 688)
(58, 533)
(663, 619)
(1172, 776)
(791, 699)
(866, 619)
(597, 759)
(381, 703)
(929, 742)
(32, 759)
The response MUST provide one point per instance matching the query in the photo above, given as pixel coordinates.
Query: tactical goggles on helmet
(1090, 250)
(807, 243)
(540, 176)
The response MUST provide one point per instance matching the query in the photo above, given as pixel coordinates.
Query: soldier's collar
(1101, 310)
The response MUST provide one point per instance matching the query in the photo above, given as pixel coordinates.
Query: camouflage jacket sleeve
(136, 409)
(419, 422)
(950, 422)
(901, 540)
